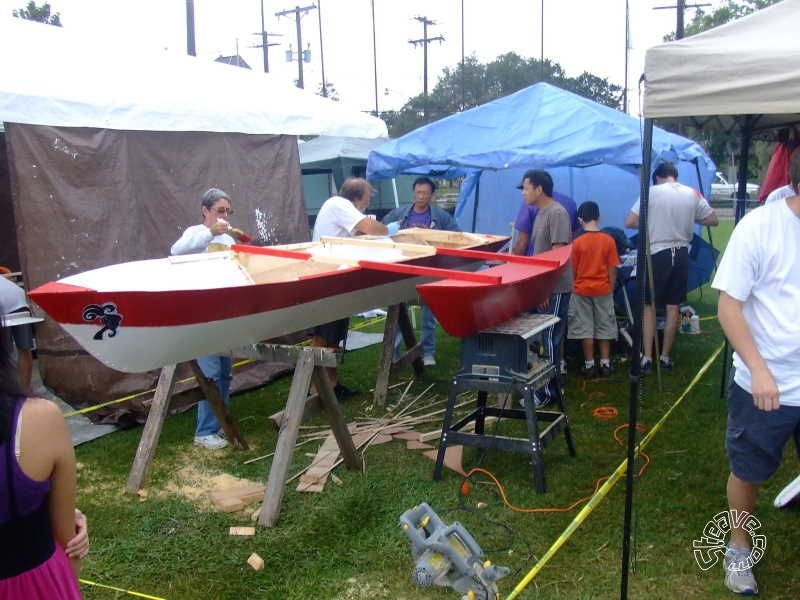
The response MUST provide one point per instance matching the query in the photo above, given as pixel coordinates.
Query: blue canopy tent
(592, 151)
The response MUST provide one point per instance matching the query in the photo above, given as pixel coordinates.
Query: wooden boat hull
(464, 308)
(142, 315)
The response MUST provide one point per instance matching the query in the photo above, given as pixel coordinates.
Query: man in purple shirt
(527, 214)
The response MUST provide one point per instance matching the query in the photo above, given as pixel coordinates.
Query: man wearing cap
(343, 216)
(551, 229)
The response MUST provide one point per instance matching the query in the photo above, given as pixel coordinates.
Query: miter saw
(447, 555)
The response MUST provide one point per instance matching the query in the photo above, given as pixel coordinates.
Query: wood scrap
(453, 456)
(242, 531)
(235, 498)
(415, 445)
(255, 562)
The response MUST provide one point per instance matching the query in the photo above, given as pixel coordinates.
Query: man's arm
(370, 226)
(632, 220)
(731, 318)
(521, 244)
(712, 220)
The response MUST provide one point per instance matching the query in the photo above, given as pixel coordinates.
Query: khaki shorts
(591, 317)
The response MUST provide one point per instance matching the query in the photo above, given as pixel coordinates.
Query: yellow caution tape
(602, 492)
(116, 589)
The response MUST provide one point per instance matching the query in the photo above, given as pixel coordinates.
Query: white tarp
(49, 76)
(750, 66)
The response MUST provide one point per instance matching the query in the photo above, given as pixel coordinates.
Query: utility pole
(190, 50)
(681, 8)
(264, 45)
(374, 58)
(321, 54)
(298, 12)
(425, 40)
(627, 50)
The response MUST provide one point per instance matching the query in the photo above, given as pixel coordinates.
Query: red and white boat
(464, 307)
(142, 315)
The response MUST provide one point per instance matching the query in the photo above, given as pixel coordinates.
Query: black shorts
(670, 276)
(334, 332)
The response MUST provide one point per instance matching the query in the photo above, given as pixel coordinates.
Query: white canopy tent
(108, 153)
(58, 78)
(750, 66)
(742, 76)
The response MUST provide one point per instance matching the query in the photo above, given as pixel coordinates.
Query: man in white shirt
(673, 210)
(343, 216)
(759, 283)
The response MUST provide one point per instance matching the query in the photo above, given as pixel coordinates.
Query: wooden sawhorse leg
(311, 363)
(396, 318)
(146, 449)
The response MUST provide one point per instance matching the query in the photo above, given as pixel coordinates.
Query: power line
(425, 40)
(298, 11)
(681, 9)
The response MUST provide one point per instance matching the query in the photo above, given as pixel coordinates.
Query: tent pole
(741, 175)
(635, 362)
(394, 189)
(475, 204)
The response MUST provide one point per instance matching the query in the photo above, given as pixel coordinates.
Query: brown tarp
(85, 198)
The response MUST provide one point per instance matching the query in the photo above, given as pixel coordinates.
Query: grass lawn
(345, 543)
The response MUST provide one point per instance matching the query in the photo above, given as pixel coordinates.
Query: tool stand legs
(538, 438)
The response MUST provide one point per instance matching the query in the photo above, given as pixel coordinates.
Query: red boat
(464, 307)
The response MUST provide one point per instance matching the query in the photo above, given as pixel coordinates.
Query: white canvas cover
(750, 66)
(50, 76)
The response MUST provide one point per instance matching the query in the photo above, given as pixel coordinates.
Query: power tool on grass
(447, 555)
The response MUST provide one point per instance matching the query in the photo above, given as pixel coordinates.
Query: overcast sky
(581, 35)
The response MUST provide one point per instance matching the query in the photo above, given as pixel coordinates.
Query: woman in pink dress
(37, 495)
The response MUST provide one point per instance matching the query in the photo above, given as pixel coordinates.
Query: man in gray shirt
(551, 229)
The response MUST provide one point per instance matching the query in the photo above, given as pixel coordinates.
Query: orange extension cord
(466, 485)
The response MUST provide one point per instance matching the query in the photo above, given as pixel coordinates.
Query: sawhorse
(158, 412)
(396, 317)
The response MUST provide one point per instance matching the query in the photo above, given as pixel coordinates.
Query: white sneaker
(739, 576)
(210, 442)
(429, 361)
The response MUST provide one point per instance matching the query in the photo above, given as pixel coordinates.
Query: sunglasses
(221, 210)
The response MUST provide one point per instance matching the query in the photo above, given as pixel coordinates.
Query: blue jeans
(220, 370)
(558, 306)
(428, 331)
(428, 334)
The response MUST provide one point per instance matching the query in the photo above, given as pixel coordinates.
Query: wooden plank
(146, 449)
(452, 458)
(338, 425)
(435, 272)
(325, 357)
(242, 531)
(511, 258)
(287, 437)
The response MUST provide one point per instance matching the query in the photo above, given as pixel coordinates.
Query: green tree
(474, 83)
(40, 14)
(702, 21)
(330, 91)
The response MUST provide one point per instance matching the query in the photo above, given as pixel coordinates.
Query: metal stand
(505, 360)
